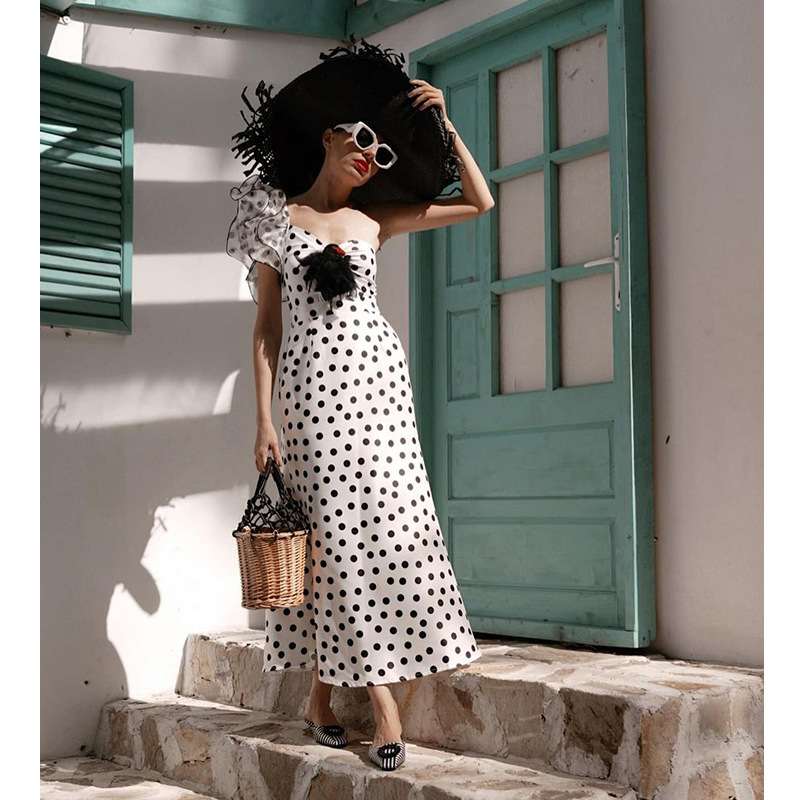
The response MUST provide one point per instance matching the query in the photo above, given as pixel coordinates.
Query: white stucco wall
(147, 439)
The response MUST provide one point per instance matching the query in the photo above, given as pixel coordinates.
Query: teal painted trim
(78, 278)
(375, 15)
(581, 150)
(80, 73)
(53, 98)
(552, 296)
(490, 224)
(63, 207)
(83, 268)
(53, 141)
(79, 291)
(518, 169)
(489, 308)
(72, 302)
(66, 250)
(59, 6)
(66, 156)
(634, 268)
(86, 230)
(129, 181)
(327, 19)
(542, 161)
(95, 94)
(489, 29)
(80, 177)
(72, 117)
(79, 238)
(323, 18)
(577, 271)
(421, 318)
(518, 282)
(578, 634)
(55, 319)
(99, 137)
(77, 225)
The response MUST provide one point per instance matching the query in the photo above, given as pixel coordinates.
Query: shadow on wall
(104, 493)
(139, 454)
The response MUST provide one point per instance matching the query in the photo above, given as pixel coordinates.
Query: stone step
(666, 728)
(88, 777)
(241, 754)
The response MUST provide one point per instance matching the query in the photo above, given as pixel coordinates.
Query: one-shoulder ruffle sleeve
(258, 231)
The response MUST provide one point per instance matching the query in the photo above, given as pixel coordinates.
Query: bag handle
(260, 510)
(272, 469)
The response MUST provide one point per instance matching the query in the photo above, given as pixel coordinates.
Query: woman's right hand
(266, 440)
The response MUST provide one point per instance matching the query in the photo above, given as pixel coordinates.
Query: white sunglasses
(365, 138)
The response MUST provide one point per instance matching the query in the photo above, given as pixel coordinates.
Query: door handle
(615, 262)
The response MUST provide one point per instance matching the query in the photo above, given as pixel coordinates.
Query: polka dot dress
(381, 603)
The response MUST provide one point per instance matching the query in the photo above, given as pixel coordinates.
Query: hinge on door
(615, 262)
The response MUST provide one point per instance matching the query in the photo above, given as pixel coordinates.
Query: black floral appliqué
(329, 272)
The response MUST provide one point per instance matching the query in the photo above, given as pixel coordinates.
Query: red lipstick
(362, 165)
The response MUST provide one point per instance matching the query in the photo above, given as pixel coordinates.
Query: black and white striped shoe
(331, 735)
(388, 756)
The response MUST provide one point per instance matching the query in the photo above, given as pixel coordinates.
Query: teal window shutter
(86, 191)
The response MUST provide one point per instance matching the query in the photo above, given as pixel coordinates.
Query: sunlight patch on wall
(166, 162)
(190, 278)
(132, 400)
(187, 574)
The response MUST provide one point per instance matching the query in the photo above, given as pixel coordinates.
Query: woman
(382, 603)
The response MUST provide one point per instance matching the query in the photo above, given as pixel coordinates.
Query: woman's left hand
(426, 95)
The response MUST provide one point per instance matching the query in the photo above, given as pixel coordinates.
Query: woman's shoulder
(344, 223)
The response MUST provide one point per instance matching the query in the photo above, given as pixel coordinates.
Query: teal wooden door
(530, 328)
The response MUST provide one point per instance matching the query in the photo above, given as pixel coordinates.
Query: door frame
(628, 103)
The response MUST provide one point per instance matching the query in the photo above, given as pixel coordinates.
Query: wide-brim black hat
(284, 135)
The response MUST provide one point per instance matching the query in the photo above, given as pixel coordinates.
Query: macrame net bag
(271, 541)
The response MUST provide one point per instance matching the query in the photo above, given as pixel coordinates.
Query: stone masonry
(240, 754)
(669, 729)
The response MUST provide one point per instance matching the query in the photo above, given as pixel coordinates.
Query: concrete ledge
(657, 725)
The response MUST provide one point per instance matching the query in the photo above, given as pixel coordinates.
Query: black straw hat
(367, 84)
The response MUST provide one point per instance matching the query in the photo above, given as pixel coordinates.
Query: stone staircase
(86, 777)
(533, 721)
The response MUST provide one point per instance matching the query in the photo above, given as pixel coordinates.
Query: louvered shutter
(86, 190)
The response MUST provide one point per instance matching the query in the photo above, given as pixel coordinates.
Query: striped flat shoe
(331, 735)
(388, 756)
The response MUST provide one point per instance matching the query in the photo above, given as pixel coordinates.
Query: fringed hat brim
(283, 138)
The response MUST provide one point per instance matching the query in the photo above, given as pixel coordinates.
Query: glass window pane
(584, 210)
(520, 225)
(522, 354)
(582, 89)
(519, 112)
(586, 325)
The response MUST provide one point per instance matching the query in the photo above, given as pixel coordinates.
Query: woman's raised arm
(475, 198)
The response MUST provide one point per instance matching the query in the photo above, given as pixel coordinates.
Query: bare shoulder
(336, 226)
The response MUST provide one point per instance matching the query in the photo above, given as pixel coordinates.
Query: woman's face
(345, 157)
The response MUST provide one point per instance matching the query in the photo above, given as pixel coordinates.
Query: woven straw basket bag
(271, 541)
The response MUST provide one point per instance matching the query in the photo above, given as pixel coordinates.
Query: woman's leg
(318, 708)
(387, 717)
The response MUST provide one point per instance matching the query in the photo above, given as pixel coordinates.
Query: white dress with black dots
(381, 603)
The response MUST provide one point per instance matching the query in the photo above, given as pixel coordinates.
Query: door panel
(584, 209)
(519, 105)
(537, 423)
(582, 90)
